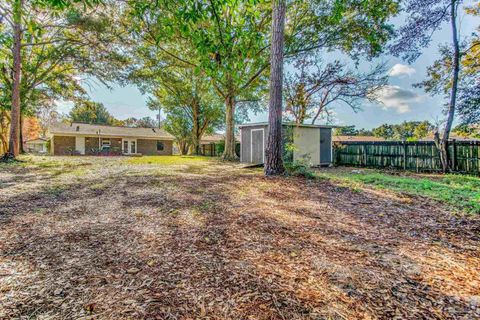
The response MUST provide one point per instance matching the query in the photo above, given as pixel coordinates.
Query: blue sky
(400, 100)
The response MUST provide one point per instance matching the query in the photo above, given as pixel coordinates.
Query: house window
(105, 144)
(160, 146)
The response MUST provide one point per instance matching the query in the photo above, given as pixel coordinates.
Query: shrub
(300, 168)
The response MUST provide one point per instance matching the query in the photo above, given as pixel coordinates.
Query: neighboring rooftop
(213, 138)
(451, 137)
(40, 139)
(356, 139)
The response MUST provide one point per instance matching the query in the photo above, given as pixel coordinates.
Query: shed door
(325, 146)
(257, 149)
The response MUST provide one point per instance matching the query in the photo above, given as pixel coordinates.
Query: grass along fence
(464, 156)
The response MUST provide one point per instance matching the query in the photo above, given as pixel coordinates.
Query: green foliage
(170, 160)
(145, 122)
(467, 131)
(355, 27)
(227, 42)
(300, 168)
(407, 130)
(63, 41)
(288, 145)
(61, 4)
(351, 131)
(439, 75)
(384, 131)
(220, 147)
(461, 192)
(222, 42)
(178, 126)
(91, 112)
(345, 131)
(187, 97)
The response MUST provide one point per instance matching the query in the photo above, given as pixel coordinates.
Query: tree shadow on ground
(232, 245)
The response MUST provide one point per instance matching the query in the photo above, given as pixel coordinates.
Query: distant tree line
(90, 112)
(407, 131)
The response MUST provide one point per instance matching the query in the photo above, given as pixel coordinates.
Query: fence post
(454, 155)
(365, 155)
(416, 158)
(404, 155)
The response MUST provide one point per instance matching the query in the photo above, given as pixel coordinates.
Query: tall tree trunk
(4, 129)
(195, 147)
(14, 143)
(229, 152)
(20, 129)
(274, 161)
(443, 143)
(182, 147)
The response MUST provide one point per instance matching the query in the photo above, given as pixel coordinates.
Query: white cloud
(396, 98)
(401, 70)
(78, 79)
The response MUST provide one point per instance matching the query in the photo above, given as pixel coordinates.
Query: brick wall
(116, 145)
(149, 147)
(63, 145)
(91, 145)
(66, 145)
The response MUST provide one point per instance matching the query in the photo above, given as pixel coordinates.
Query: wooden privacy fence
(464, 156)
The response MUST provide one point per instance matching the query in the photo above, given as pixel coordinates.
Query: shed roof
(288, 124)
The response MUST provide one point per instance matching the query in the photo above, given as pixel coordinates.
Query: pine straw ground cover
(104, 238)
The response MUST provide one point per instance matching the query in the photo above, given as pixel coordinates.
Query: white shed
(301, 141)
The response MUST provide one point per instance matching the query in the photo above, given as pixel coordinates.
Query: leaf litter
(221, 242)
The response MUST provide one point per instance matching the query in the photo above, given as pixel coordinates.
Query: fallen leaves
(159, 242)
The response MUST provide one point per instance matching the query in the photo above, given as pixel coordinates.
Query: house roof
(356, 139)
(79, 128)
(36, 140)
(287, 124)
(213, 138)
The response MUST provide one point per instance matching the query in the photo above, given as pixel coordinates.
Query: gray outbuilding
(301, 141)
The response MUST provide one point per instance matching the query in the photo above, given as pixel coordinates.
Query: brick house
(93, 139)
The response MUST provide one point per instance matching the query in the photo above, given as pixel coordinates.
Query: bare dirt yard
(194, 238)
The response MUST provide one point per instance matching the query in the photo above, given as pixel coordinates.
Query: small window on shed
(160, 146)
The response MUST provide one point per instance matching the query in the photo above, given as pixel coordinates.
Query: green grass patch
(461, 192)
(170, 160)
(55, 190)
